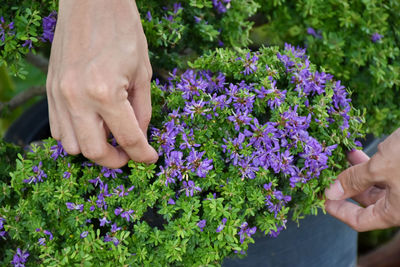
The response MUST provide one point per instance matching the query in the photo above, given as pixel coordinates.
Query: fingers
(358, 218)
(53, 120)
(370, 196)
(127, 132)
(357, 157)
(93, 143)
(350, 182)
(141, 103)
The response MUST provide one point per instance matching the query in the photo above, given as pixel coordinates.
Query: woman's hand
(99, 82)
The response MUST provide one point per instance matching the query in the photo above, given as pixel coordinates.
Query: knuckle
(373, 167)
(67, 88)
(72, 149)
(356, 223)
(100, 92)
(94, 153)
(128, 141)
(352, 182)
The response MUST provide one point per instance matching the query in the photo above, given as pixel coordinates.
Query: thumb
(350, 182)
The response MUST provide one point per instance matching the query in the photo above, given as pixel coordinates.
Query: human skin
(99, 82)
(372, 182)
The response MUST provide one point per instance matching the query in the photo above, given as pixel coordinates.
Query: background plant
(357, 41)
(173, 29)
(244, 138)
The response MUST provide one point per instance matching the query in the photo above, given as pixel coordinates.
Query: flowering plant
(174, 30)
(246, 140)
(357, 41)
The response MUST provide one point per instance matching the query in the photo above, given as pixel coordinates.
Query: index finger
(351, 182)
(122, 122)
(358, 218)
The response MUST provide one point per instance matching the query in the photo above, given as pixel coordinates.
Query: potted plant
(247, 140)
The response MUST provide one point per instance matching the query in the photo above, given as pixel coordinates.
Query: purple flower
(171, 201)
(191, 85)
(107, 172)
(120, 191)
(194, 108)
(195, 164)
(246, 231)
(5, 29)
(49, 26)
(20, 258)
(222, 225)
(274, 234)
(250, 64)
(118, 211)
(127, 215)
(97, 181)
(201, 224)
(221, 6)
(247, 168)
(28, 43)
(104, 221)
(197, 19)
(240, 120)
(73, 206)
(312, 32)
(268, 186)
(66, 175)
(148, 16)
(84, 234)
(279, 204)
(114, 228)
(42, 241)
(58, 151)
(2, 233)
(39, 175)
(376, 37)
(189, 187)
(177, 7)
(113, 239)
(49, 234)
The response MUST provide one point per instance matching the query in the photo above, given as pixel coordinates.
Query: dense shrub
(175, 31)
(244, 139)
(357, 41)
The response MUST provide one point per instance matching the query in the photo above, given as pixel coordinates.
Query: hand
(99, 81)
(374, 183)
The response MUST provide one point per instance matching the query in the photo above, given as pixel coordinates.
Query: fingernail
(335, 192)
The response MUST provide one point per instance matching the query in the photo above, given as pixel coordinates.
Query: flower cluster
(242, 137)
(221, 6)
(2, 231)
(38, 175)
(20, 258)
(5, 28)
(49, 26)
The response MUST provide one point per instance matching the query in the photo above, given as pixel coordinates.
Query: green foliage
(345, 48)
(26, 17)
(172, 33)
(159, 233)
